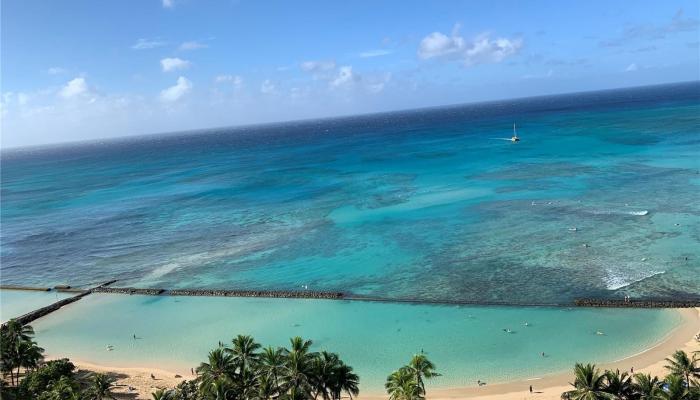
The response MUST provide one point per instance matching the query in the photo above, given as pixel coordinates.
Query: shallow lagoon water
(14, 303)
(466, 343)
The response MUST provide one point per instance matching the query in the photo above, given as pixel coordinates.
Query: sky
(83, 69)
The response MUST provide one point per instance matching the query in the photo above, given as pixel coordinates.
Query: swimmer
(527, 323)
(600, 333)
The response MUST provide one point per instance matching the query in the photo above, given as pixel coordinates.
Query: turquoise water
(14, 303)
(426, 204)
(466, 343)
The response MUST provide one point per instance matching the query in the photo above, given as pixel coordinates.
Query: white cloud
(317, 66)
(22, 98)
(236, 80)
(145, 44)
(631, 68)
(172, 64)
(174, 93)
(344, 77)
(268, 87)
(168, 3)
(481, 50)
(55, 71)
(374, 53)
(376, 84)
(74, 88)
(438, 44)
(193, 45)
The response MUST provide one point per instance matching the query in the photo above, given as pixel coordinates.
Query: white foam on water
(618, 279)
(618, 212)
(643, 212)
(242, 247)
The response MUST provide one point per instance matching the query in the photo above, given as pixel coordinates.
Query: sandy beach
(547, 387)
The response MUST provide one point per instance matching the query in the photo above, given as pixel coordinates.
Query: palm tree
(296, 373)
(28, 355)
(272, 364)
(14, 348)
(297, 369)
(422, 368)
(16, 332)
(676, 389)
(618, 384)
(24, 353)
(300, 345)
(345, 381)
(646, 387)
(245, 356)
(402, 385)
(100, 387)
(323, 368)
(216, 375)
(64, 388)
(682, 365)
(265, 388)
(589, 384)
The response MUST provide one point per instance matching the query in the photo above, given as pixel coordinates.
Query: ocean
(598, 199)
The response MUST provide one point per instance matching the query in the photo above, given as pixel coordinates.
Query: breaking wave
(614, 280)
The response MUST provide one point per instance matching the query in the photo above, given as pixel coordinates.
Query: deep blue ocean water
(425, 204)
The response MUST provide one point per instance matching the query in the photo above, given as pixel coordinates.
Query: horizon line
(71, 143)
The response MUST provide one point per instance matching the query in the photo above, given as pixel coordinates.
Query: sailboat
(515, 137)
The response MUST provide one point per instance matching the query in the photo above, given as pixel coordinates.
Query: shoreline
(549, 386)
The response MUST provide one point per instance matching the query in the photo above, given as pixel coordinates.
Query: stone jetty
(15, 287)
(286, 294)
(128, 290)
(637, 303)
